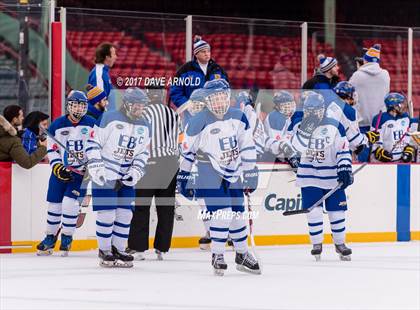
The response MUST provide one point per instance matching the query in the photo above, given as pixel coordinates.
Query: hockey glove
(345, 176)
(133, 176)
(408, 154)
(308, 125)
(251, 180)
(359, 149)
(372, 136)
(382, 155)
(184, 180)
(97, 173)
(293, 162)
(62, 173)
(286, 149)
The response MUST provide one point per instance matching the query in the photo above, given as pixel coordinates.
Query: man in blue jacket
(195, 73)
(326, 76)
(105, 57)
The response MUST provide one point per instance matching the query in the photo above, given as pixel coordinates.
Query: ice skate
(122, 259)
(205, 242)
(159, 255)
(65, 244)
(106, 259)
(136, 255)
(343, 252)
(219, 264)
(247, 263)
(316, 251)
(46, 246)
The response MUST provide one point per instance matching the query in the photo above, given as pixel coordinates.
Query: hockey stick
(118, 183)
(323, 198)
(251, 230)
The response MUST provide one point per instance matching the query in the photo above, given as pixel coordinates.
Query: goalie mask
(134, 102)
(76, 104)
(394, 102)
(218, 96)
(346, 91)
(198, 99)
(284, 102)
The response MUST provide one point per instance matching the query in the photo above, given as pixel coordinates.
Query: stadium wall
(384, 205)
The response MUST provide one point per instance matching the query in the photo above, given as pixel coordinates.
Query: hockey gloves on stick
(133, 176)
(62, 173)
(345, 176)
(184, 180)
(251, 180)
(382, 155)
(97, 173)
(372, 136)
(408, 154)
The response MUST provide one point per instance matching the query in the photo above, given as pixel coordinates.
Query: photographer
(31, 133)
(11, 148)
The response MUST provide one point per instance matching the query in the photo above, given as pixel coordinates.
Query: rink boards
(384, 205)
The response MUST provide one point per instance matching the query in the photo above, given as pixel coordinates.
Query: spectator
(105, 57)
(11, 147)
(159, 181)
(199, 70)
(372, 84)
(31, 133)
(97, 101)
(326, 76)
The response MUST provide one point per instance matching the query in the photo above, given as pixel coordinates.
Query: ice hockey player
(117, 154)
(325, 162)
(198, 100)
(342, 110)
(64, 188)
(277, 125)
(394, 125)
(222, 135)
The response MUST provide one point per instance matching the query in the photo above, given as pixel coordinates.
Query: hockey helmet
(134, 100)
(76, 104)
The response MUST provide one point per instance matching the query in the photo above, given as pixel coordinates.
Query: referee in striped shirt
(159, 181)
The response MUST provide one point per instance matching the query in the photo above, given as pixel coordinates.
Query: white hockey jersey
(120, 143)
(347, 116)
(393, 133)
(74, 137)
(321, 154)
(276, 127)
(257, 128)
(227, 143)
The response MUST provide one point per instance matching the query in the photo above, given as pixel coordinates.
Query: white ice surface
(380, 276)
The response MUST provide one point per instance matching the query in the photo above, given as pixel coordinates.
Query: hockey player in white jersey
(342, 110)
(277, 125)
(394, 144)
(64, 189)
(325, 161)
(197, 104)
(245, 103)
(220, 138)
(117, 153)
